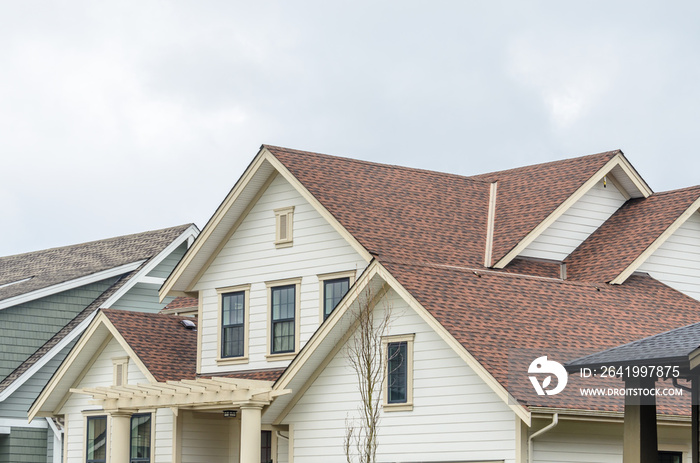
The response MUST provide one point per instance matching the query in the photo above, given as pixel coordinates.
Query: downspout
(530, 450)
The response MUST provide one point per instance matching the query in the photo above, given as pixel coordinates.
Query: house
(479, 277)
(48, 298)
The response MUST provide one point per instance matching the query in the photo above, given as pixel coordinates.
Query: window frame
(150, 438)
(87, 418)
(322, 279)
(296, 282)
(408, 404)
(288, 239)
(220, 293)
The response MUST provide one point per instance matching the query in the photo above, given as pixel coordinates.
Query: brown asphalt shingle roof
(58, 265)
(499, 316)
(627, 234)
(166, 348)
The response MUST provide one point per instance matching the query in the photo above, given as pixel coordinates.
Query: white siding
(100, 374)
(576, 224)
(250, 257)
(580, 442)
(207, 437)
(677, 261)
(455, 416)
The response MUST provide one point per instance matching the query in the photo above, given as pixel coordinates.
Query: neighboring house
(48, 298)
(481, 275)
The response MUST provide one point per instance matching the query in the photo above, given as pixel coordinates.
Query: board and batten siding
(563, 236)
(676, 262)
(101, 374)
(455, 416)
(250, 257)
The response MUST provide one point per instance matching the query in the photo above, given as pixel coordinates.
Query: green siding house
(47, 298)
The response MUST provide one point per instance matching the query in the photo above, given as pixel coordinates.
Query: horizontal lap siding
(27, 445)
(206, 437)
(576, 224)
(250, 257)
(677, 261)
(100, 374)
(455, 416)
(141, 298)
(17, 405)
(22, 336)
(163, 269)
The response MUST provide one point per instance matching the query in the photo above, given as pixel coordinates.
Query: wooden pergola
(675, 355)
(247, 396)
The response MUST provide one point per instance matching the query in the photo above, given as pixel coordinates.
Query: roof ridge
(678, 190)
(376, 164)
(549, 163)
(130, 235)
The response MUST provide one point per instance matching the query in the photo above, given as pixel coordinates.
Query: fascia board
(658, 242)
(72, 284)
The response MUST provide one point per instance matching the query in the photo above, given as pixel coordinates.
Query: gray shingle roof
(670, 348)
(42, 269)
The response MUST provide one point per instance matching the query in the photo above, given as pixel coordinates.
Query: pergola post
(640, 437)
(120, 434)
(251, 427)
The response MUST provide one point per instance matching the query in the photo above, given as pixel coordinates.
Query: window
(670, 457)
(284, 219)
(398, 387)
(232, 324)
(140, 438)
(332, 288)
(283, 301)
(96, 439)
(234, 313)
(266, 447)
(333, 292)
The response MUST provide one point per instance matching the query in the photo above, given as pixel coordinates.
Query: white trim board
(20, 423)
(72, 284)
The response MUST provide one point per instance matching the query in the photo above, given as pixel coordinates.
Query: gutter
(530, 449)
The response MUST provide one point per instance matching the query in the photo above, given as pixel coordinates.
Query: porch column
(251, 424)
(121, 430)
(640, 439)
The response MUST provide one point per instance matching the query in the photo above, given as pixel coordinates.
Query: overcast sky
(121, 117)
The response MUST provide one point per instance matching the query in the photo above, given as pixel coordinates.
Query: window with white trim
(284, 221)
(332, 288)
(283, 322)
(96, 439)
(233, 324)
(398, 384)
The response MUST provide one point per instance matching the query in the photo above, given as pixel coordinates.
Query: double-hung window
(233, 324)
(398, 385)
(140, 438)
(283, 320)
(96, 445)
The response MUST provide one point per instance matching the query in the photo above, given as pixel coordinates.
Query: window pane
(266, 447)
(283, 337)
(233, 317)
(141, 438)
(283, 313)
(96, 439)
(397, 374)
(333, 292)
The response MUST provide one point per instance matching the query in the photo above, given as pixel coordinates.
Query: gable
(677, 261)
(449, 400)
(575, 225)
(250, 258)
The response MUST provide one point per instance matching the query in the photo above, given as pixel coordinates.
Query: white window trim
(288, 212)
(350, 275)
(408, 405)
(246, 323)
(297, 316)
(120, 365)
